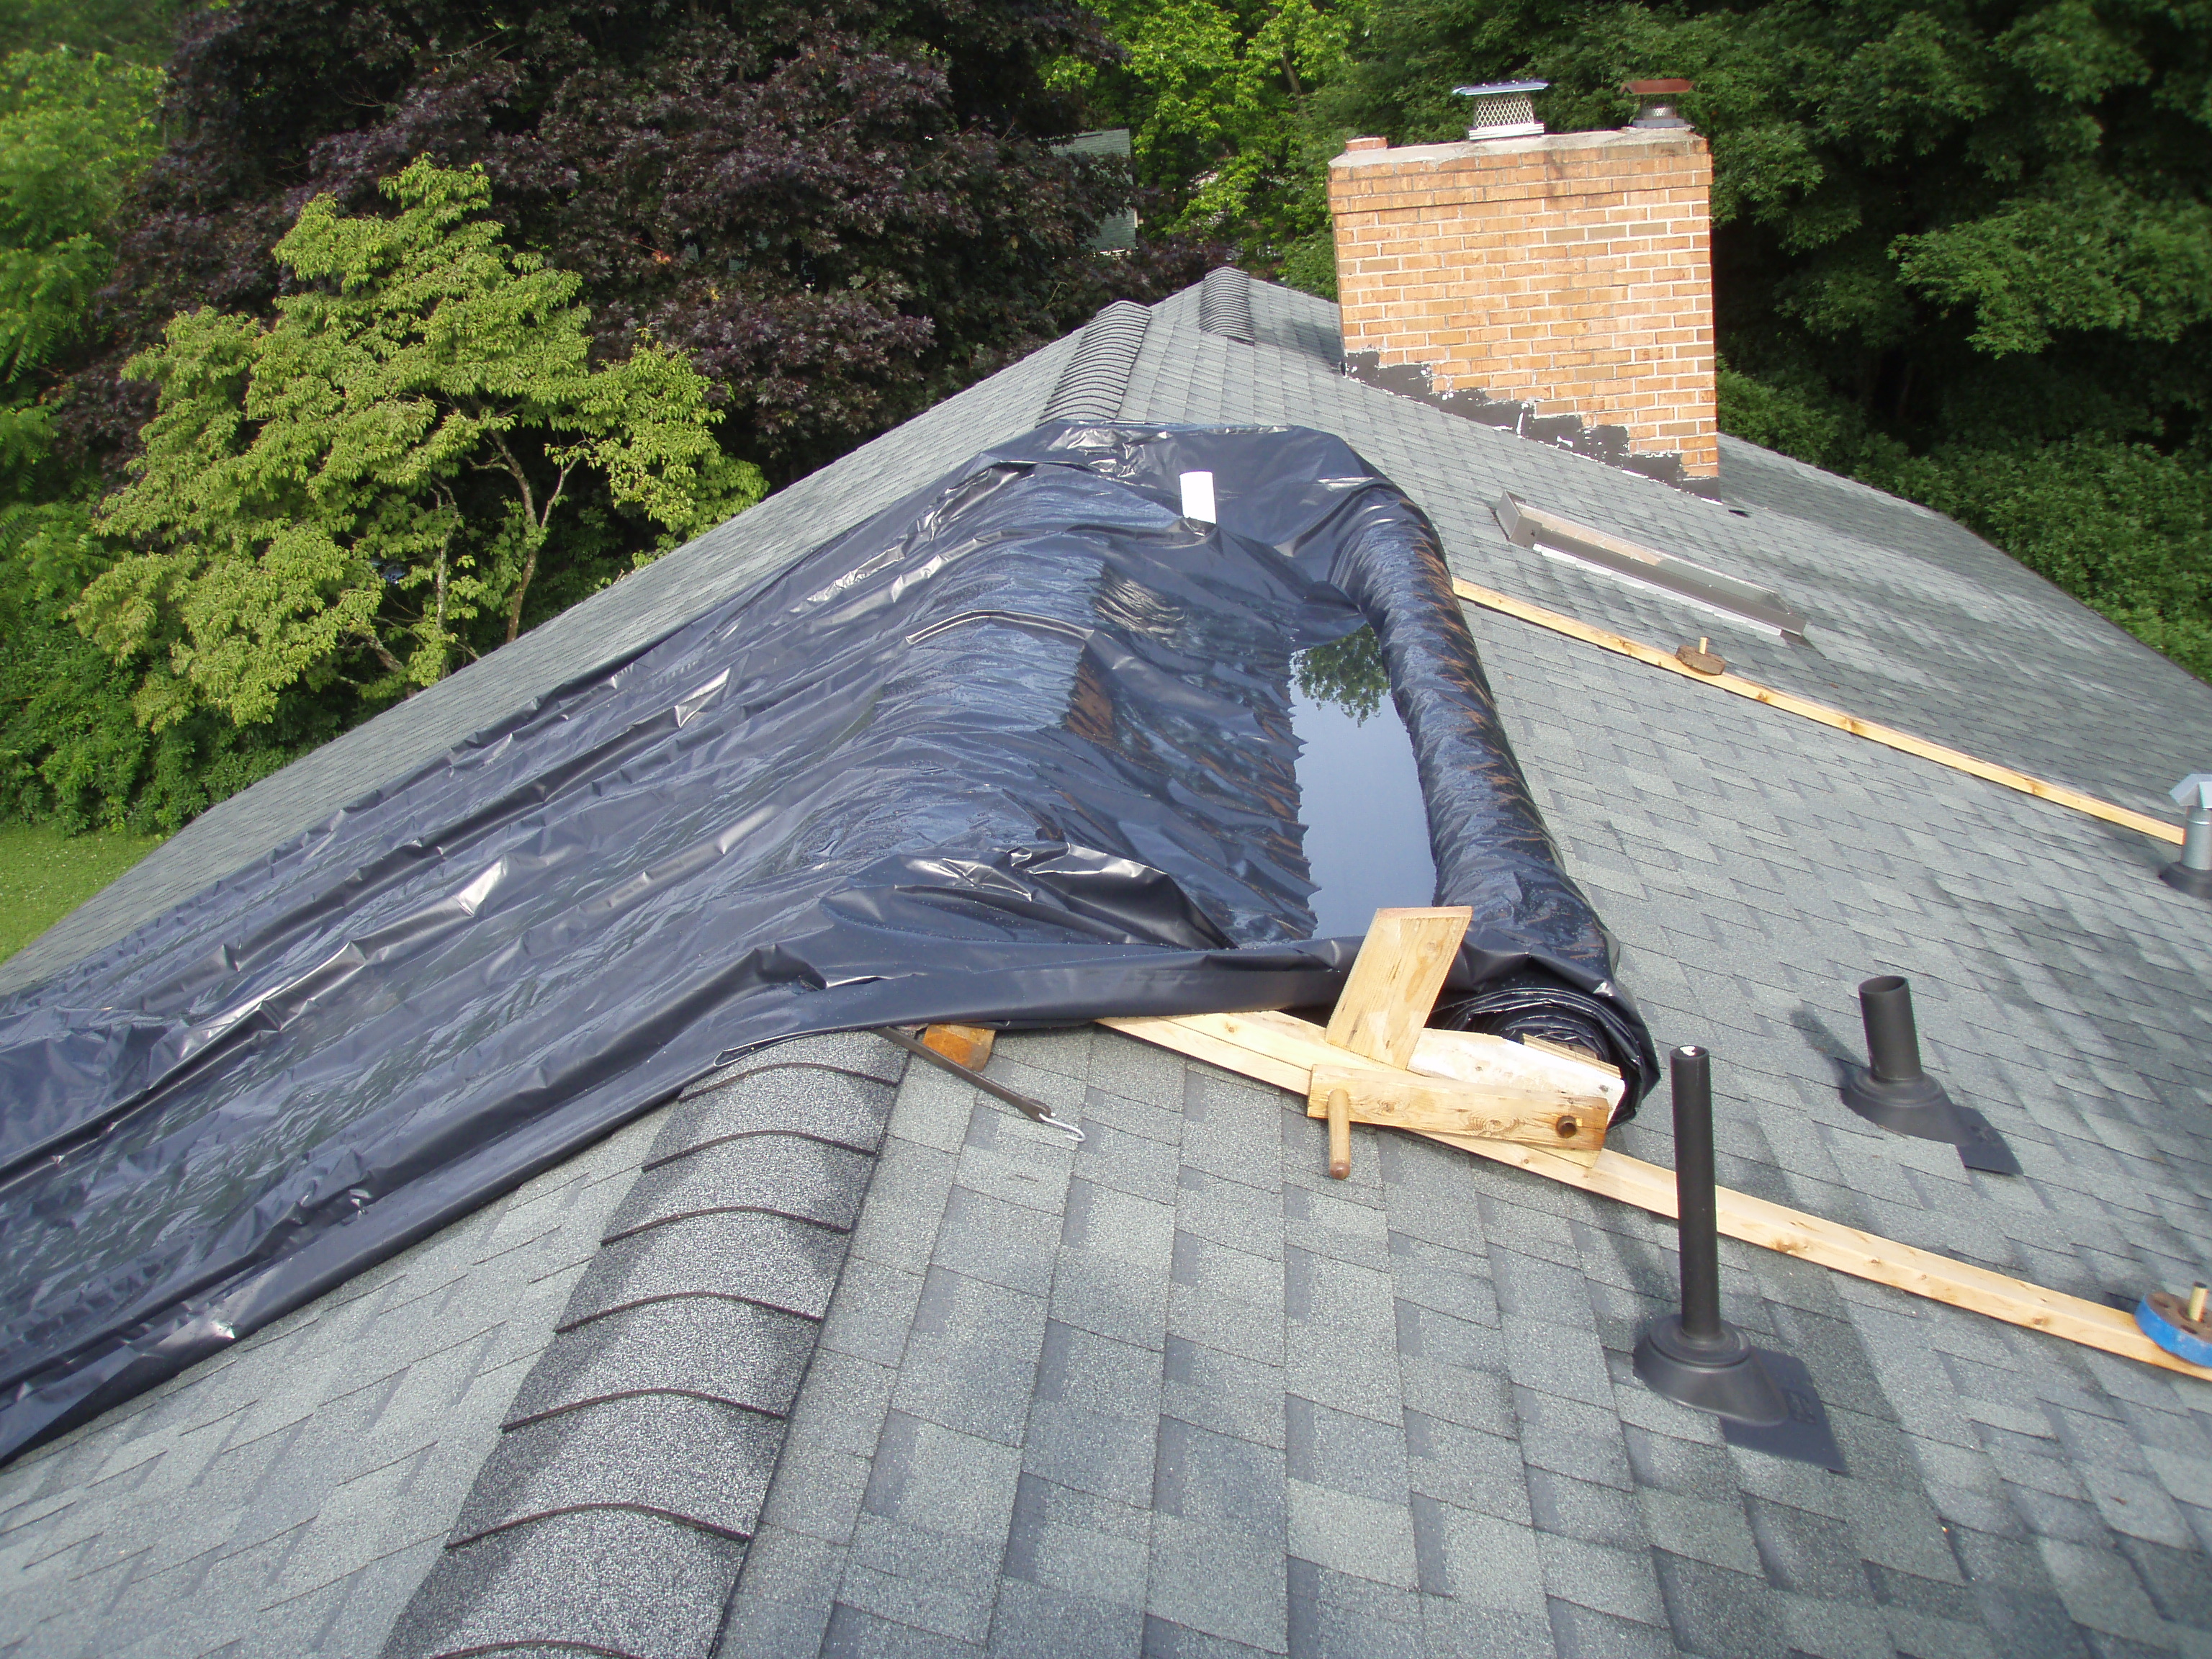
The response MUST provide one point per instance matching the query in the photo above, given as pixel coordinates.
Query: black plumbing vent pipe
(1766, 1400)
(1897, 1093)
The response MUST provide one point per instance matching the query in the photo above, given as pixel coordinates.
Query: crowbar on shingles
(2058, 794)
(1036, 1110)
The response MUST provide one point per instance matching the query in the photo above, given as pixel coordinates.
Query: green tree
(1347, 673)
(303, 500)
(75, 129)
(1217, 95)
(1909, 199)
(1959, 250)
(136, 31)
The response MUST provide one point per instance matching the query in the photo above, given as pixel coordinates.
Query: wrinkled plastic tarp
(1016, 750)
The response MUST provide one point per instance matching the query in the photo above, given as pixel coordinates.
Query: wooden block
(1563, 1052)
(1496, 1062)
(1393, 983)
(1549, 1118)
(963, 1045)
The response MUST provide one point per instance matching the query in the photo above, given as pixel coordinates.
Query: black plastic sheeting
(1016, 749)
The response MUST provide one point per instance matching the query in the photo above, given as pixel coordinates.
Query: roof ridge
(1090, 387)
(711, 1364)
(1225, 304)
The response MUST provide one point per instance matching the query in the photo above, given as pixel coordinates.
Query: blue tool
(2178, 1327)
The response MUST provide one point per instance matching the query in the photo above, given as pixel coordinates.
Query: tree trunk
(529, 569)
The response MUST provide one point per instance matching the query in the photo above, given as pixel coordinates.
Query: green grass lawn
(44, 875)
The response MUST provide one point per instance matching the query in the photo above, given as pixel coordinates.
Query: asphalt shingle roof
(1174, 1392)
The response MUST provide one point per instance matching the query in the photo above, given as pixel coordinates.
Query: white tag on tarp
(1198, 497)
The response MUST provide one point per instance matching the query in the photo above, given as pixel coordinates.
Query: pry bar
(1036, 1110)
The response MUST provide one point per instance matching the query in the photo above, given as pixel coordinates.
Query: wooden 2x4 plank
(1889, 736)
(1270, 1047)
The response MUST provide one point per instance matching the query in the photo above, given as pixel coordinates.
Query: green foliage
(378, 450)
(1310, 263)
(1347, 673)
(1911, 198)
(1795, 416)
(1218, 94)
(74, 131)
(135, 31)
(72, 750)
(1963, 252)
(2082, 254)
(309, 502)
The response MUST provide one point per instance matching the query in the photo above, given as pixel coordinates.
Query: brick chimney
(1570, 272)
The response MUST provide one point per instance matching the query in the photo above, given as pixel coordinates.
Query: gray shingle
(1712, 1610)
(696, 1461)
(1202, 1476)
(558, 1581)
(739, 1353)
(1581, 1633)
(1039, 1618)
(809, 1098)
(790, 1580)
(789, 1174)
(1008, 1245)
(309, 1474)
(943, 1584)
(971, 1361)
(1219, 1582)
(661, 1392)
(752, 1255)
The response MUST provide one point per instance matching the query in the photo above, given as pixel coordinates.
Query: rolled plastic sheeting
(1018, 750)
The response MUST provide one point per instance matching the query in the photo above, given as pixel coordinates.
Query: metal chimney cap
(2195, 790)
(1502, 109)
(1658, 97)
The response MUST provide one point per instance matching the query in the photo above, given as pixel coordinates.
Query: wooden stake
(1394, 980)
(1339, 1132)
(1889, 736)
(1534, 1117)
(1275, 1043)
(964, 1045)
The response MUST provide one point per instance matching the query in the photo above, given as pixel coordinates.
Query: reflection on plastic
(1018, 748)
(1366, 828)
